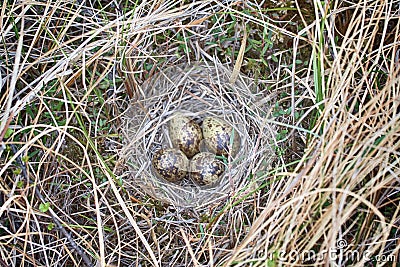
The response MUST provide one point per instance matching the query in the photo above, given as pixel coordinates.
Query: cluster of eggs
(187, 137)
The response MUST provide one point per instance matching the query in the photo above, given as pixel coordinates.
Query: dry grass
(332, 72)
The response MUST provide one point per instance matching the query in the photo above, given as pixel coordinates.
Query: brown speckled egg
(185, 134)
(205, 169)
(170, 164)
(217, 135)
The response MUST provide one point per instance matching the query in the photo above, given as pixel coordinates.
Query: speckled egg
(205, 169)
(217, 135)
(170, 164)
(185, 134)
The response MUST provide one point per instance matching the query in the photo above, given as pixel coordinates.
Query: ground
(326, 74)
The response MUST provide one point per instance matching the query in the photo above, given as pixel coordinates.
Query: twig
(74, 245)
(3, 263)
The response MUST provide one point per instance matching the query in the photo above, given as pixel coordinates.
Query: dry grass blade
(239, 59)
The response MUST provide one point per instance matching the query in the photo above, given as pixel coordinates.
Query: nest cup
(197, 90)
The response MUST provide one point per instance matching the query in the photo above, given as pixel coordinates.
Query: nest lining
(198, 90)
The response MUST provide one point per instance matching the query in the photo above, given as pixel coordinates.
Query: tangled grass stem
(53, 215)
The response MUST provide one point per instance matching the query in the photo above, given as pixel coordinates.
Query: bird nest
(198, 90)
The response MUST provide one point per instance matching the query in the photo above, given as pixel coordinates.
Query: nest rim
(196, 90)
